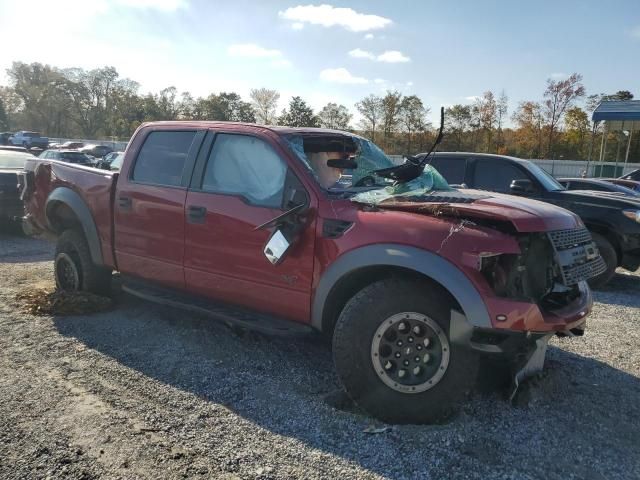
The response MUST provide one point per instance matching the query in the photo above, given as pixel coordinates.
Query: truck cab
(414, 282)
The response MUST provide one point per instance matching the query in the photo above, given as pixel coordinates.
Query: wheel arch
(609, 233)
(65, 209)
(358, 268)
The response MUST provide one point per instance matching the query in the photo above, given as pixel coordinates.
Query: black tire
(610, 258)
(72, 248)
(353, 354)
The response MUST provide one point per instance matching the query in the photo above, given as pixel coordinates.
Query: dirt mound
(54, 302)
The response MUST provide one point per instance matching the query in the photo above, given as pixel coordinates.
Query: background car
(72, 145)
(635, 175)
(106, 162)
(97, 151)
(632, 184)
(11, 163)
(4, 138)
(69, 156)
(596, 185)
(27, 139)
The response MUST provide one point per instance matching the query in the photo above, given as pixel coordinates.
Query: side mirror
(276, 247)
(521, 186)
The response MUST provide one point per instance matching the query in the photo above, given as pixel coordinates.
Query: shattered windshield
(360, 183)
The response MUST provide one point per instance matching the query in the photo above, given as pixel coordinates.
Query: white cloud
(252, 50)
(635, 32)
(297, 25)
(409, 84)
(164, 5)
(393, 56)
(368, 36)
(390, 56)
(341, 75)
(472, 98)
(379, 80)
(330, 16)
(359, 53)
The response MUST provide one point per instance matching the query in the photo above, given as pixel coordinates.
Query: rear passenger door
(149, 207)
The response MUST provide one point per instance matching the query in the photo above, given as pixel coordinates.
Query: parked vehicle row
(415, 281)
(12, 162)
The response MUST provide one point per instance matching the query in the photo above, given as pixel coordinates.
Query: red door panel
(224, 258)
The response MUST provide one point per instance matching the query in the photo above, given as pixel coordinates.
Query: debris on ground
(40, 301)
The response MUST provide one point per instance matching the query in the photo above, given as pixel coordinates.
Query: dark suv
(614, 221)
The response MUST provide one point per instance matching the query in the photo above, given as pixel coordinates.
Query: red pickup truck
(286, 230)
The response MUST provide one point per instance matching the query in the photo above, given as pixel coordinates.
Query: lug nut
(410, 339)
(417, 359)
(397, 355)
(399, 343)
(418, 347)
(406, 363)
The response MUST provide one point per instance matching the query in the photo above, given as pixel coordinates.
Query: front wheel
(74, 269)
(393, 354)
(610, 257)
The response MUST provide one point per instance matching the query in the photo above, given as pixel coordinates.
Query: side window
(496, 175)
(246, 166)
(451, 168)
(162, 157)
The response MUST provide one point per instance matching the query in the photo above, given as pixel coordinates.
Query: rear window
(75, 157)
(451, 168)
(162, 157)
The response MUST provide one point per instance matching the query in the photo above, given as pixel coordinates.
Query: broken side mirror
(276, 247)
(521, 186)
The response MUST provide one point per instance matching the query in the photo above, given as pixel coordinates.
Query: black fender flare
(421, 261)
(78, 206)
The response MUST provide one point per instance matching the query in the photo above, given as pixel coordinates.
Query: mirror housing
(347, 163)
(276, 247)
(521, 186)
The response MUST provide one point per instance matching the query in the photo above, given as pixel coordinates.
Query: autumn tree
(529, 119)
(265, 103)
(577, 125)
(371, 110)
(486, 111)
(334, 116)
(457, 122)
(390, 118)
(502, 108)
(412, 117)
(559, 96)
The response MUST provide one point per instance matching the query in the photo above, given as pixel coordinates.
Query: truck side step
(229, 314)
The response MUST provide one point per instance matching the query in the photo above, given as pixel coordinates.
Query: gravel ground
(150, 392)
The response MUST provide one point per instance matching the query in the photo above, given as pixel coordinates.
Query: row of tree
(100, 104)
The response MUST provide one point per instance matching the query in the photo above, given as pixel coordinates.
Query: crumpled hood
(525, 215)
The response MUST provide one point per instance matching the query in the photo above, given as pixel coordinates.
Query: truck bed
(95, 186)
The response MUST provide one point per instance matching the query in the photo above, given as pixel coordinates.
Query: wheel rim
(67, 276)
(410, 352)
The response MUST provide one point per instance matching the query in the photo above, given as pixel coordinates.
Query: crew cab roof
(280, 130)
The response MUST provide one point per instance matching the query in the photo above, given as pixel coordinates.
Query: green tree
(299, 114)
(391, 107)
(334, 116)
(457, 122)
(4, 118)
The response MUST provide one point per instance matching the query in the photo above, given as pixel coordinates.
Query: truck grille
(577, 255)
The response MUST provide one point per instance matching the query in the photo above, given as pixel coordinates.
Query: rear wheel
(610, 257)
(74, 269)
(393, 355)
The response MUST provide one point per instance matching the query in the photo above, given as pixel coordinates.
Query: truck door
(149, 206)
(238, 184)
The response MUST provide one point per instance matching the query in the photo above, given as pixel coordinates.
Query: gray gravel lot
(149, 392)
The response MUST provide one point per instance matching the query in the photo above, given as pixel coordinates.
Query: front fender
(66, 196)
(421, 261)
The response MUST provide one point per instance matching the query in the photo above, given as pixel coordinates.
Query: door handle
(196, 214)
(124, 203)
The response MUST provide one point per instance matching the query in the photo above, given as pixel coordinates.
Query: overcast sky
(446, 52)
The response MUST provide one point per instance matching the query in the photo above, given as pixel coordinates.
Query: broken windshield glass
(361, 184)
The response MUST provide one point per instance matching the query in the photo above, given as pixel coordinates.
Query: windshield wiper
(413, 166)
